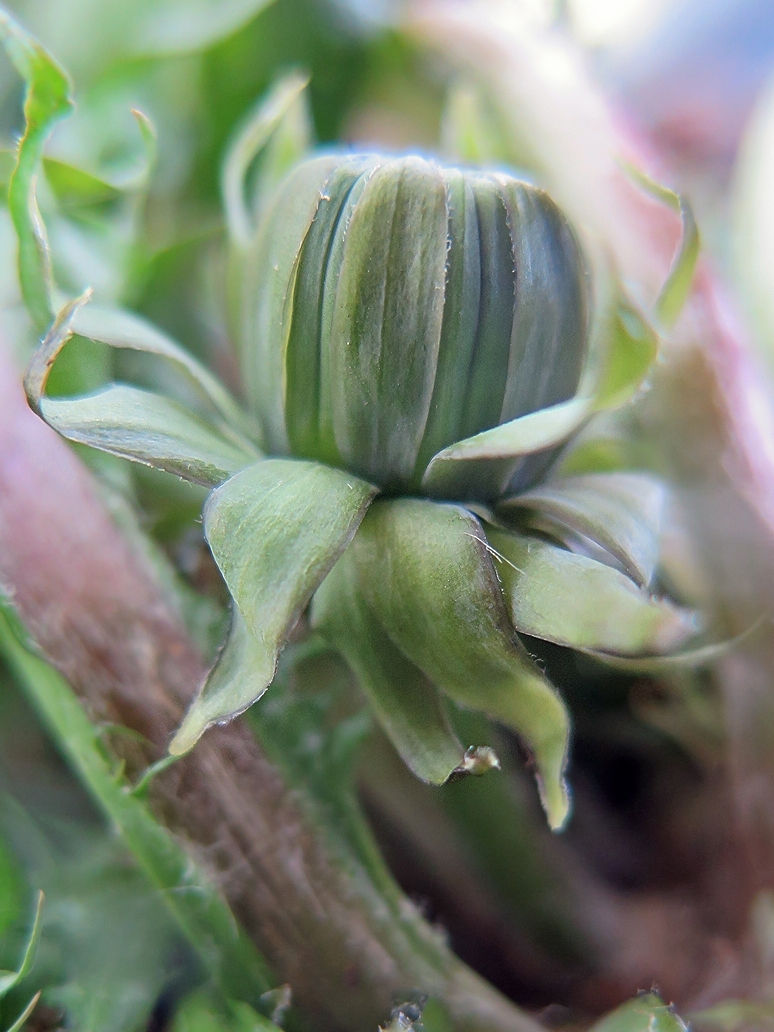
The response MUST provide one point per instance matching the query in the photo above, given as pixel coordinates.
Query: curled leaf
(575, 601)
(132, 423)
(675, 290)
(284, 104)
(439, 599)
(619, 513)
(119, 328)
(47, 100)
(275, 530)
(535, 432)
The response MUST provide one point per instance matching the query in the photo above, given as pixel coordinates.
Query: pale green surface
(646, 1013)
(575, 601)
(619, 512)
(406, 703)
(275, 531)
(426, 570)
(148, 428)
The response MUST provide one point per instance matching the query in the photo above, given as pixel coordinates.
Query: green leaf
(133, 423)
(389, 310)
(631, 346)
(575, 601)
(8, 979)
(47, 100)
(427, 572)
(406, 704)
(283, 109)
(194, 902)
(535, 432)
(148, 428)
(275, 530)
(200, 1013)
(646, 1013)
(20, 1022)
(620, 513)
(231, 680)
(677, 287)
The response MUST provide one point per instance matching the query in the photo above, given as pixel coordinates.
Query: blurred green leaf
(575, 601)
(281, 114)
(200, 1013)
(630, 346)
(195, 904)
(12, 889)
(733, 1015)
(646, 1013)
(8, 979)
(471, 131)
(25, 1014)
(275, 530)
(677, 287)
(439, 599)
(621, 513)
(47, 100)
(406, 704)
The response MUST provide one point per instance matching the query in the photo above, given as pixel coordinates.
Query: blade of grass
(195, 904)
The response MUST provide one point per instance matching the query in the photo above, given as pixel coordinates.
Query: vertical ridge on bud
(551, 313)
(303, 360)
(268, 286)
(386, 326)
(489, 366)
(460, 320)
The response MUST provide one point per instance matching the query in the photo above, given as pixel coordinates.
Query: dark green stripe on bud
(395, 307)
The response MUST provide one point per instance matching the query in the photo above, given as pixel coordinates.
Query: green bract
(416, 344)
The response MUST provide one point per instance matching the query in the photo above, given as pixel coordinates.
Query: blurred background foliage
(693, 78)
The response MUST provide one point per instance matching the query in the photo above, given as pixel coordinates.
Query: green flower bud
(406, 330)
(403, 307)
